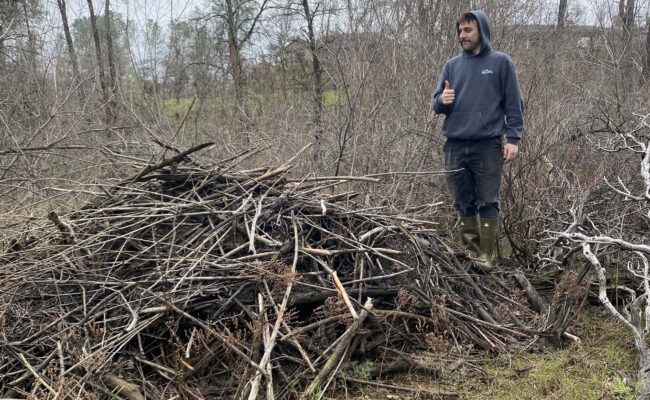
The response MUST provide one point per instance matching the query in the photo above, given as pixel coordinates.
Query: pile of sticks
(189, 281)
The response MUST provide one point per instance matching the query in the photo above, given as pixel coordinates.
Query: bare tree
(234, 50)
(241, 19)
(98, 54)
(646, 56)
(317, 81)
(626, 14)
(111, 61)
(71, 51)
(3, 37)
(428, 12)
(561, 14)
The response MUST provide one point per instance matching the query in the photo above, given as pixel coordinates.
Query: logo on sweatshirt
(487, 71)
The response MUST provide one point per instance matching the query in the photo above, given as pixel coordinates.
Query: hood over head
(484, 29)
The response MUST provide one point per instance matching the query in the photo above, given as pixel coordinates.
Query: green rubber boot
(469, 235)
(488, 242)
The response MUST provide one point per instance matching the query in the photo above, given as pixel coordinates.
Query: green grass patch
(177, 107)
(330, 97)
(598, 368)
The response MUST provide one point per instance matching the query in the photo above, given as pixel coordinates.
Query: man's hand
(448, 95)
(510, 152)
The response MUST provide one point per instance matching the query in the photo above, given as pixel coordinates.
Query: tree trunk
(2, 54)
(98, 53)
(424, 15)
(236, 70)
(627, 74)
(626, 15)
(317, 83)
(234, 54)
(644, 368)
(111, 62)
(646, 61)
(629, 16)
(71, 51)
(428, 25)
(621, 10)
(234, 23)
(561, 14)
(428, 12)
(33, 83)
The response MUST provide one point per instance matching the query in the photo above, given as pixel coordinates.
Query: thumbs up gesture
(448, 94)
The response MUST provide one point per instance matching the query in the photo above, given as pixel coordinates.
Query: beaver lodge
(194, 282)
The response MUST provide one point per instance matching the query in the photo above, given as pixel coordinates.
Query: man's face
(469, 36)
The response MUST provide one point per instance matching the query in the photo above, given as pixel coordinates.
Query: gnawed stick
(343, 293)
(169, 161)
(537, 301)
(36, 374)
(122, 387)
(253, 228)
(338, 285)
(339, 350)
(67, 233)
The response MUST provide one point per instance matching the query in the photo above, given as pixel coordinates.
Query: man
(479, 94)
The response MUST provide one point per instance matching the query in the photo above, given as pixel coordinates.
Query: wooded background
(80, 93)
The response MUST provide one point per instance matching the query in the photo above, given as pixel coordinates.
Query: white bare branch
(579, 237)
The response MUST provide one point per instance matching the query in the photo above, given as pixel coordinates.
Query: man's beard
(470, 46)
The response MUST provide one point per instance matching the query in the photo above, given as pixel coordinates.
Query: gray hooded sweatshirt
(487, 100)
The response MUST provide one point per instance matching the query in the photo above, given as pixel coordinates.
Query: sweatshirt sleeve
(438, 107)
(513, 104)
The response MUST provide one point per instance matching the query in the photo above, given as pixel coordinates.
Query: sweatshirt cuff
(512, 140)
(440, 108)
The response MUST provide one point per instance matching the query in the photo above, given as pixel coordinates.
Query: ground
(601, 366)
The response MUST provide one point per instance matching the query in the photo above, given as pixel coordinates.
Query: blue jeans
(474, 169)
